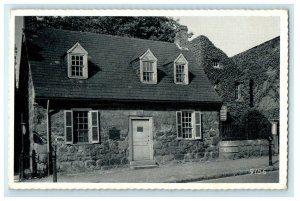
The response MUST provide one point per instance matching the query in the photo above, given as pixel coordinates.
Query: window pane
(80, 126)
(187, 126)
(180, 74)
(145, 66)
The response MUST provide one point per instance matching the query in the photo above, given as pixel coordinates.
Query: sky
(233, 34)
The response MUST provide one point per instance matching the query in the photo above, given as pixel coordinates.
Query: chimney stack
(181, 38)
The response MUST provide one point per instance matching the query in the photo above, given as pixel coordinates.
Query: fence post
(270, 138)
(54, 165)
(21, 167)
(34, 163)
(21, 162)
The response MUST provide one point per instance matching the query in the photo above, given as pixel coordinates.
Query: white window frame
(181, 60)
(148, 56)
(194, 124)
(90, 126)
(78, 50)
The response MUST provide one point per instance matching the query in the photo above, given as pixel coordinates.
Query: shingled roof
(111, 75)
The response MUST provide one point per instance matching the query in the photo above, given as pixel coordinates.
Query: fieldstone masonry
(168, 148)
(111, 153)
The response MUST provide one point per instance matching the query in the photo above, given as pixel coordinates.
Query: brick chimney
(181, 38)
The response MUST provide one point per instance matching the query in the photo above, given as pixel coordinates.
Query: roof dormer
(181, 70)
(148, 68)
(77, 62)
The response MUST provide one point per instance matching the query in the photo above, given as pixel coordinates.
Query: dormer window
(181, 71)
(148, 71)
(77, 62)
(216, 63)
(77, 65)
(148, 68)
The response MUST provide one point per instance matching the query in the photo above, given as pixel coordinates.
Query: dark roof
(111, 75)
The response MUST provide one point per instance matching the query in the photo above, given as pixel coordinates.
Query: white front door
(142, 140)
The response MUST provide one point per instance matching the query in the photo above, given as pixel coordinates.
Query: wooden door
(142, 143)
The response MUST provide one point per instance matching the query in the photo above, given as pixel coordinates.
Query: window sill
(239, 101)
(188, 139)
(180, 83)
(82, 143)
(148, 82)
(77, 77)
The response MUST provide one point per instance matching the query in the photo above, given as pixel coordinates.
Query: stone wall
(168, 148)
(111, 153)
(244, 149)
(37, 127)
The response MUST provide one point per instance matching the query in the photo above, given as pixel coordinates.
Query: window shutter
(68, 127)
(69, 65)
(85, 63)
(94, 126)
(174, 72)
(186, 74)
(179, 124)
(155, 72)
(198, 134)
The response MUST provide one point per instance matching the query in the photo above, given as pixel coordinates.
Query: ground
(175, 173)
(269, 177)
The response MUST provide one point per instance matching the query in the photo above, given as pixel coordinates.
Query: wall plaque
(114, 134)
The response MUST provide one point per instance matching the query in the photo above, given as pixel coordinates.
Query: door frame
(130, 135)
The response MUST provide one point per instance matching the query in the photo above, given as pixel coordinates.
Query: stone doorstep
(143, 164)
(136, 167)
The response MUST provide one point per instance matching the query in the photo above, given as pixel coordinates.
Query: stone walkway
(187, 172)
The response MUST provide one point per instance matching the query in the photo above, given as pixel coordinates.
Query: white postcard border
(283, 153)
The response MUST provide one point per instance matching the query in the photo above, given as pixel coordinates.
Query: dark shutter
(198, 125)
(68, 126)
(179, 124)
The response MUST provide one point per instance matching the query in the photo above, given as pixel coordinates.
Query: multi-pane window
(180, 73)
(77, 65)
(188, 124)
(237, 91)
(181, 70)
(216, 63)
(81, 126)
(148, 71)
(81, 129)
(187, 127)
(77, 62)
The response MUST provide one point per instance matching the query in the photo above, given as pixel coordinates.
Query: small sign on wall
(223, 113)
(114, 134)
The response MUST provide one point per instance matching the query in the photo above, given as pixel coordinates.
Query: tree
(152, 28)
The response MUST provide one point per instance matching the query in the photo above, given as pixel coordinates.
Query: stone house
(247, 82)
(105, 101)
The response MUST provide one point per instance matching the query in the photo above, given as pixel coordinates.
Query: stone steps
(143, 164)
